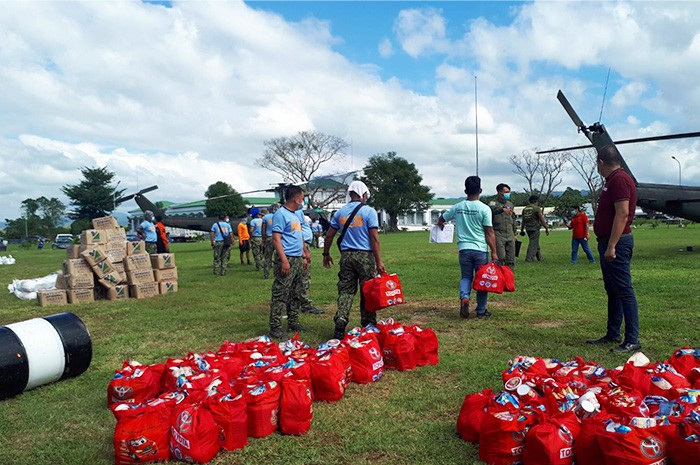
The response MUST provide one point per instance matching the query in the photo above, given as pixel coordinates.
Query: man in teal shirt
(475, 236)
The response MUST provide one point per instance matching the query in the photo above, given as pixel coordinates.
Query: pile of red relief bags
(553, 412)
(190, 408)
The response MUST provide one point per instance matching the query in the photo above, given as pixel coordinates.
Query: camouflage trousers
(256, 245)
(151, 247)
(268, 262)
(355, 268)
(306, 303)
(533, 246)
(286, 293)
(221, 257)
(505, 247)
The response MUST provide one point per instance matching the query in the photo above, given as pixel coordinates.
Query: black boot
(339, 330)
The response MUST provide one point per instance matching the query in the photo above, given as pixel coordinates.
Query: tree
(566, 202)
(94, 196)
(300, 157)
(541, 171)
(584, 163)
(222, 199)
(395, 186)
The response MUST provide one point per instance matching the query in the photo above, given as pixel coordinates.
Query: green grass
(406, 418)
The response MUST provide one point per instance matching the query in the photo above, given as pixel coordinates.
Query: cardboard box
(168, 274)
(105, 222)
(116, 236)
(140, 261)
(61, 281)
(76, 266)
(93, 237)
(103, 268)
(140, 276)
(119, 266)
(81, 281)
(135, 248)
(78, 296)
(145, 290)
(111, 280)
(168, 287)
(52, 297)
(73, 252)
(94, 254)
(118, 293)
(162, 261)
(116, 251)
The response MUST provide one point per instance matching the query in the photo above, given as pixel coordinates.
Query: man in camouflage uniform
(306, 305)
(533, 219)
(360, 257)
(267, 248)
(292, 257)
(504, 225)
(255, 230)
(219, 231)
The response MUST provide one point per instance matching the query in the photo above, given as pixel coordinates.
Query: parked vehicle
(62, 241)
(3, 244)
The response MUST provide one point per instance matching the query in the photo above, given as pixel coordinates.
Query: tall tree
(584, 163)
(542, 172)
(396, 186)
(222, 199)
(299, 158)
(567, 201)
(94, 196)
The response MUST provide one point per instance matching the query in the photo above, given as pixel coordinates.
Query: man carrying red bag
(475, 236)
(360, 258)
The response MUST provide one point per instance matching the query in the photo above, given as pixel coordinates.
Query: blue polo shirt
(306, 230)
(256, 224)
(290, 225)
(470, 217)
(268, 224)
(357, 235)
(220, 229)
(149, 231)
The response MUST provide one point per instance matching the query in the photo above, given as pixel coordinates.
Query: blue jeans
(622, 302)
(469, 262)
(574, 250)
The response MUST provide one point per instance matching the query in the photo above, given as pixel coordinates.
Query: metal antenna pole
(476, 124)
(679, 169)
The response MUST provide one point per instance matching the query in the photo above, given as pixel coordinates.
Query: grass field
(406, 418)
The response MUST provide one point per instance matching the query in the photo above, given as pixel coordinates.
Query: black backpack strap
(347, 224)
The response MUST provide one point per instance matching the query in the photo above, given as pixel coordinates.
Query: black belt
(606, 238)
(355, 250)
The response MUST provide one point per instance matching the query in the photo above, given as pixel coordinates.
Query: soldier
(533, 219)
(504, 225)
(147, 230)
(221, 241)
(292, 257)
(255, 231)
(360, 257)
(306, 305)
(268, 248)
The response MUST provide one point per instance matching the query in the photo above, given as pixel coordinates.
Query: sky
(184, 94)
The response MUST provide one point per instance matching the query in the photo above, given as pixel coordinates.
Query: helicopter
(205, 223)
(680, 201)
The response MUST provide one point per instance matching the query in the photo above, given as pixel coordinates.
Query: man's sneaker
(627, 347)
(297, 327)
(604, 340)
(313, 311)
(486, 314)
(277, 334)
(464, 308)
(339, 331)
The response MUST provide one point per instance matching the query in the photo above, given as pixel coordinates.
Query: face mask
(227, 220)
(506, 196)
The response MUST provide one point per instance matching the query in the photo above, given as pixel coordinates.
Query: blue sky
(184, 94)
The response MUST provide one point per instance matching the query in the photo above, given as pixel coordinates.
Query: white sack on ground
(26, 289)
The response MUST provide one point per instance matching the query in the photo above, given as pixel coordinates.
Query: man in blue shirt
(292, 257)
(306, 305)
(255, 231)
(360, 257)
(268, 248)
(147, 229)
(473, 223)
(221, 241)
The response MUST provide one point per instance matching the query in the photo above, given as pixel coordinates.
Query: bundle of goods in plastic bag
(191, 407)
(7, 260)
(554, 412)
(27, 289)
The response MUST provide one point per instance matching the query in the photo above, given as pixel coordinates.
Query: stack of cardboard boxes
(105, 265)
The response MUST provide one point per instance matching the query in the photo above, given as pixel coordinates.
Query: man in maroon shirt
(580, 235)
(615, 213)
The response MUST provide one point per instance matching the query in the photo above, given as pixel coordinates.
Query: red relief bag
(502, 438)
(194, 435)
(400, 350)
(551, 441)
(684, 360)
(637, 447)
(263, 409)
(330, 374)
(135, 383)
(508, 278)
(142, 434)
(471, 415)
(586, 448)
(383, 291)
(685, 446)
(489, 278)
(426, 345)
(296, 407)
(366, 360)
(230, 414)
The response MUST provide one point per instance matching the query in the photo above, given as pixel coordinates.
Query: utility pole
(476, 120)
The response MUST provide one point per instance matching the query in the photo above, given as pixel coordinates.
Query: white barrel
(44, 350)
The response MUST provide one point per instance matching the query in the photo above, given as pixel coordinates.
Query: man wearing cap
(579, 235)
(268, 248)
(504, 225)
(473, 223)
(612, 227)
(221, 239)
(533, 219)
(292, 256)
(360, 257)
(147, 229)
(255, 231)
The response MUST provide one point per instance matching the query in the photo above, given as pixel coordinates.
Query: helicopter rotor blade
(570, 111)
(685, 135)
(131, 196)
(566, 149)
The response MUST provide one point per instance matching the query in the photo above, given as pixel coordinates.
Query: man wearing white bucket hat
(360, 257)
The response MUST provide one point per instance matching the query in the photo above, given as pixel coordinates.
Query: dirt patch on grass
(549, 324)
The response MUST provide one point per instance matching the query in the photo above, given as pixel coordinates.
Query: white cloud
(421, 31)
(386, 48)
